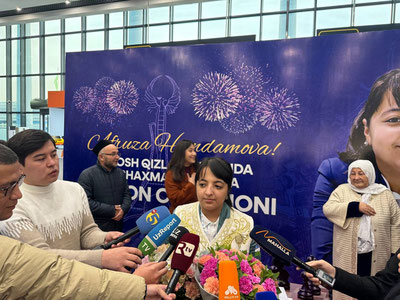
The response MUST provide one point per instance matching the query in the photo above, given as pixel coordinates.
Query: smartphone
(326, 280)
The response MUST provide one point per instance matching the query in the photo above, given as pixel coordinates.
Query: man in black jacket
(106, 188)
(384, 285)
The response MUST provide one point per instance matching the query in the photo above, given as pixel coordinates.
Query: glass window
(213, 29)
(397, 16)
(240, 7)
(135, 17)
(2, 32)
(368, 1)
(95, 41)
(159, 34)
(53, 26)
(301, 24)
(135, 36)
(15, 30)
(32, 56)
(16, 93)
(274, 27)
(186, 12)
(3, 58)
(213, 9)
(95, 22)
(52, 83)
(73, 42)
(116, 39)
(274, 5)
(32, 29)
(374, 14)
(33, 121)
(185, 31)
(52, 54)
(333, 18)
(73, 24)
(159, 15)
(116, 19)
(32, 90)
(300, 4)
(322, 3)
(15, 57)
(3, 94)
(246, 26)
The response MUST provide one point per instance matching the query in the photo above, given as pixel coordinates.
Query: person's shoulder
(242, 214)
(333, 168)
(65, 184)
(185, 207)
(89, 170)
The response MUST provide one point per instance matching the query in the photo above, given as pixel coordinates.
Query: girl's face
(358, 178)
(383, 134)
(190, 156)
(211, 192)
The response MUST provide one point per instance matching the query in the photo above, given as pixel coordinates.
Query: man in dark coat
(106, 188)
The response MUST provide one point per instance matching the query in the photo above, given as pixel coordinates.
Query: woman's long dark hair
(221, 169)
(177, 162)
(356, 147)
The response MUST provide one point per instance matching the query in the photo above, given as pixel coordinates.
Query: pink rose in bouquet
(253, 275)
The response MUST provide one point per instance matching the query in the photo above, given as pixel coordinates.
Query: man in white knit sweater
(54, 214)
(30, 273)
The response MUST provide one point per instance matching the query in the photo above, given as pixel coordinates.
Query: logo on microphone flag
(153, 216)
(228, 280)
(185, 248)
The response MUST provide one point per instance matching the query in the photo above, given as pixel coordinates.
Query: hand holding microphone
(278, 247)
(183, 257)
(145, 223)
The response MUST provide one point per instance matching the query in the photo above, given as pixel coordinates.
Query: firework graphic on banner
(108, 99)
(279, 109)
(215, 97)
(84, 99)
(122, 97)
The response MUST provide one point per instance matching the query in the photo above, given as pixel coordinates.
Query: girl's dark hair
(177, 162)
(355, 148)
(220, 168)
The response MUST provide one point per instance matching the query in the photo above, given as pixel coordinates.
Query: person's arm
(179, 193)
(30, 273)
(331, 174)
(335, 209)
(97, 208)
(126, 200)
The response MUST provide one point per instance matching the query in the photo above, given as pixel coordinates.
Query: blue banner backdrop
(273, 109)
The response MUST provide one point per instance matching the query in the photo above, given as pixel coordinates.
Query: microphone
(265, 296)
(158, 234)
(145, 223)
(276, 246)
(173, 240)
(228, 280)
(183, 257)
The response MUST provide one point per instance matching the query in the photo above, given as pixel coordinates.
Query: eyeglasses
(113, 154)
(12, 186)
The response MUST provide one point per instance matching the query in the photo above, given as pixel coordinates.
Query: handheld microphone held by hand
(183, 257)
(158, 234)
(278, 247)
(173, 240)
(145, 223)
(228, 281)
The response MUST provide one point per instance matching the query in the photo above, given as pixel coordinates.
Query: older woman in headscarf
(366, 220)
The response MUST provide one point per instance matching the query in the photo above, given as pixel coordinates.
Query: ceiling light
(19, 8)
(67, 2)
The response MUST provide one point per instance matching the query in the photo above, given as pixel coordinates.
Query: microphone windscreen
(185, 252)
(159, 234)
(228, 280)
(266, 296)
(151, 218)
(273, 243)
(177, 234)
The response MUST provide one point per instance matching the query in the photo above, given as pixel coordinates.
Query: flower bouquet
(253, 275)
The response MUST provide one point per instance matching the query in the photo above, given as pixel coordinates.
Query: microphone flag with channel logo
(228, 281)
